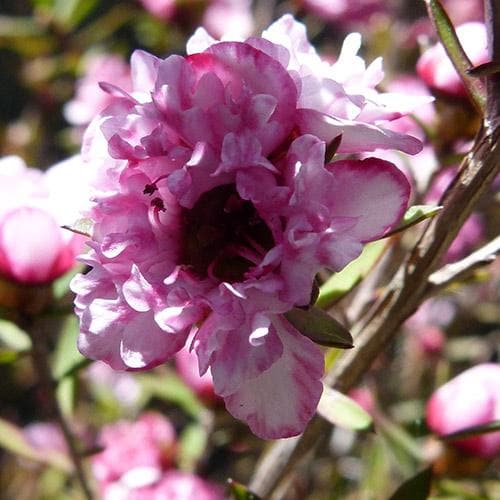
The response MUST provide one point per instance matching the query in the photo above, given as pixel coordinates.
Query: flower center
(224, 237)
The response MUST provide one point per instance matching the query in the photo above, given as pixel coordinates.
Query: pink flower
(186, 363)
(163, 9)
(33, 207)
(212, 215)
(345, 11)
(122, 385)
(462, 11)
(229, 18)
(90, 99)
(45, 437)
(436, 69)
(136, 463)
(148, 442)
(333, 99)
(468, 400)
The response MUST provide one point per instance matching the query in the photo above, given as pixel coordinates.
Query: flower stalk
(39, 355)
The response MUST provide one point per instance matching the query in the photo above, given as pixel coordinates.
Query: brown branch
(462, 269)
(39, 356)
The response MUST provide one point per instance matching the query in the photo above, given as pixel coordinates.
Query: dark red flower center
(224, 236)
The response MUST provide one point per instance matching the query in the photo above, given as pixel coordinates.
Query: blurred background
(53, 53)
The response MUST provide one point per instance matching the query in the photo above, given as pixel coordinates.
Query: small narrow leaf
(192, 445)
(67, 356)
(486, 69)
(339, 284)
(339, 409)
(80, 226)
(66, 395)
(239, 491)
(473, 431)
(320, 327)
(13, 337)
(417, 487)
(456, 53)
(415, 215)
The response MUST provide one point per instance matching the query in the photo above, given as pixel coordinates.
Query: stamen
(151, 188)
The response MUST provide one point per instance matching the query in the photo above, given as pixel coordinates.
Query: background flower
(34, 249)
(468, 400)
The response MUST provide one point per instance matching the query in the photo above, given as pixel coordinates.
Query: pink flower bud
(436, 69)
(471, 399)
(33, 206)
(162, 9)
(229, 18)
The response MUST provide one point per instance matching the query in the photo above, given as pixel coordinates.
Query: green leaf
(13, 440)
(66, 395)
(66, 356)
(320, 327)
(456, 53)
(339, 409)
(70, 13)
(239, 491)
(12, 337)
(343, 282)
(417, 487)
(192, 445)
(476, 430)
(166, 385)
(80, 226)
(414, 215)
(60, 287)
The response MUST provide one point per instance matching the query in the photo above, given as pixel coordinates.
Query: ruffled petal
(280, 401)
(372, 190)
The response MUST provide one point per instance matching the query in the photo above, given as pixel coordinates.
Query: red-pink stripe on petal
(279, 402)
(372, 190)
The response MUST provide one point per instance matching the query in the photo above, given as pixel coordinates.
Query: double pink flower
(214, 208)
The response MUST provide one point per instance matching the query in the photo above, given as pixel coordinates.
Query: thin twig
(40, 361)
(462, 269)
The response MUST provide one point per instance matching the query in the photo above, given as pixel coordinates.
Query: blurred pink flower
(186, 363)
(462, 11)
(470, 399)
(426, 328)
(229, 18)
(213, 214)
(148, 442)
(90, 99)
(33, 206)
(364, 397)
(45, 437)
(123, 386)
(424, 115)
(163, 9)
(436, 69)
(137, 460)
(345, 11)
